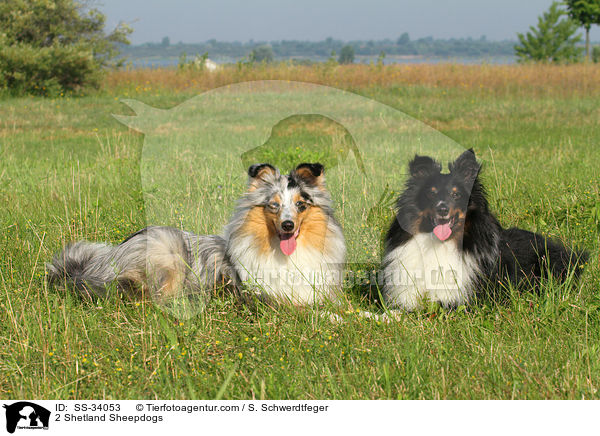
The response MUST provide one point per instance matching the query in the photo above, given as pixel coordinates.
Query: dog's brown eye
(274, 205)
(301, 206)
(455, 195)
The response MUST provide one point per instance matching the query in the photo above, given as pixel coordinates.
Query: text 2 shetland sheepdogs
(444, 243)
(282, 241)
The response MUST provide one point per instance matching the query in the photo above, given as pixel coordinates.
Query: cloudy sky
(270, 20)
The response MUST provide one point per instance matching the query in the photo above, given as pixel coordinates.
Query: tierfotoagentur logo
(25, 415)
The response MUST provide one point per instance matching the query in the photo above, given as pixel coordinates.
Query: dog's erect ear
(466, 165)
(259, 170)
(423, 166)
(310, 173)
(258, 173)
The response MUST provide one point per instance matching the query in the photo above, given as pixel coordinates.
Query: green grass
(69, 171)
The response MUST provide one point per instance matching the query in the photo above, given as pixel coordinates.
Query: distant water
(470, 60)
(389, 60)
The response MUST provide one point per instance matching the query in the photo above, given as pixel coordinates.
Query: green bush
(553, 40)
(596, 53)
(47, 70)
(48, 47)
(346, 55)
(262, 53)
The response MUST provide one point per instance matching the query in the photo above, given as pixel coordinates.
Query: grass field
(70, 170)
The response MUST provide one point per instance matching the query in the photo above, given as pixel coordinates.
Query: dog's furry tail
(525, 253)
(162, 260)
(85, 266)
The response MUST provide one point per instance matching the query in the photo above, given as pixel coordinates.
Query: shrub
(47, 70)
(346, 55)
(262, 53)
(53, 46)
(596, 53)
(554, 39)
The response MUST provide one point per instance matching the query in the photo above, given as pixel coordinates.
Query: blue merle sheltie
(283, 240)
(282, 243)
(445, 245)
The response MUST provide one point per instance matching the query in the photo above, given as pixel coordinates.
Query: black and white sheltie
(282, 242)
(445, 245)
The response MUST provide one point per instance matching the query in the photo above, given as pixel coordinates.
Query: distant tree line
(404, 45)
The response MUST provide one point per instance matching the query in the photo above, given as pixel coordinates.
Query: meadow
(70, 170)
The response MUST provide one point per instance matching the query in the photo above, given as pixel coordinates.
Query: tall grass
(69, 171)
(531, 79)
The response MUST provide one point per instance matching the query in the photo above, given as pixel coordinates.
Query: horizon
(252, 41)
(274, 21)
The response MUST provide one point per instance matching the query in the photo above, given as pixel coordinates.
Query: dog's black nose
(442, 209)
(287, 226)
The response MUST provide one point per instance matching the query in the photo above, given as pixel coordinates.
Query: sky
(315, 20)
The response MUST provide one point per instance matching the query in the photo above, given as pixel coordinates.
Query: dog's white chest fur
(426, 268)
(305, 277)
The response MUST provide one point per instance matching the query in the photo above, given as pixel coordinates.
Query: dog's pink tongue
(288, 244)
(442, 231)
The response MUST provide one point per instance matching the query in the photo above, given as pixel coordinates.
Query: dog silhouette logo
(26, 415)
(192, 150)
(305, 138)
